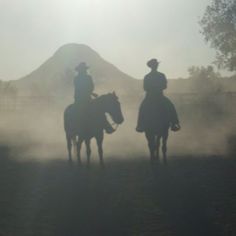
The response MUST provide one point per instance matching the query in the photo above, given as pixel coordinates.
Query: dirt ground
(189, 196)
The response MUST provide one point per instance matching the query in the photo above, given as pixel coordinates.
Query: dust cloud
(37, 132)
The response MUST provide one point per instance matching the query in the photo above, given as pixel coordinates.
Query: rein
(114, 126)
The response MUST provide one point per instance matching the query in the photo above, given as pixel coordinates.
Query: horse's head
(113, 108)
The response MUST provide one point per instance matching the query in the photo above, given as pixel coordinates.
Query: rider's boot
(139, 129)
(175, 127)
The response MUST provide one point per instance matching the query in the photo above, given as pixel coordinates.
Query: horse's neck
(99, 104)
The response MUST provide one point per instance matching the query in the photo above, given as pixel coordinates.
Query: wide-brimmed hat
(153, 62)
(81, 66)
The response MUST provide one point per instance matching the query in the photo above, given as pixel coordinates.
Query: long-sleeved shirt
(154, 83)
(84, 87)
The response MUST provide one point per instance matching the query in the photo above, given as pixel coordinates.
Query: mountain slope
(55, 76)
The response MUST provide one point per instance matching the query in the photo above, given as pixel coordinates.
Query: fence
(18, 103)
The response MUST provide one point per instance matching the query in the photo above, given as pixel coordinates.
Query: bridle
(114, 125)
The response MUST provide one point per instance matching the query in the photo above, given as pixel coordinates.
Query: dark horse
(83, 126)
(157, 124)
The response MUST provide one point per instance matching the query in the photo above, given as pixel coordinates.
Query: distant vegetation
(7, 89)
(219, 29)
(205, 79)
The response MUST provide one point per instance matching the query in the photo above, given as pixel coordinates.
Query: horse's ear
(115, 96)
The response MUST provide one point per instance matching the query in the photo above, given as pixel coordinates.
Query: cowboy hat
(81, 66)
(153, 62)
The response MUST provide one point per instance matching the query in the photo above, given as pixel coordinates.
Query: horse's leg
(158, 146)
(69, 146)
(79, 145)
(74, 144)
(99, 139)
(164, 147)
(151, 144)
(88, 150)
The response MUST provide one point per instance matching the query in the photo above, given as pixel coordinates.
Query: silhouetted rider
(83, 84)
(84, 87)
(154, 84)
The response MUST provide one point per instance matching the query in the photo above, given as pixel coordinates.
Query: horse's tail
(68, 118)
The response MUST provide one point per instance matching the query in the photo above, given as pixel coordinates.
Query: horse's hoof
(88, 165)
(102, 165)
(154, 160)
(79, 162)
(165, 162)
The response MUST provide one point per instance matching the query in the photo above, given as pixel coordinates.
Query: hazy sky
(124, 32)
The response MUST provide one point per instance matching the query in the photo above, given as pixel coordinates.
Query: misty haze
(158, 108)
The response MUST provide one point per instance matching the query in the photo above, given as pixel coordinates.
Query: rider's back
(83, 87)
(154, 83)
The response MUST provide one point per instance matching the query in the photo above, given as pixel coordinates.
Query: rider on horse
(154, 84)
(84, 87)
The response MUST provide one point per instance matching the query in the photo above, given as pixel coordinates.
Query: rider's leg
(140, 123)
(173, 115)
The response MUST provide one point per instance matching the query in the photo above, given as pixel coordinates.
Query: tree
(219, 29)
(204, 79)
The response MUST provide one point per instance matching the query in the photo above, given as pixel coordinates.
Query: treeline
(7, 89)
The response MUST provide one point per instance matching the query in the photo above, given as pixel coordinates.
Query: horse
(83, 124)
(157, 124)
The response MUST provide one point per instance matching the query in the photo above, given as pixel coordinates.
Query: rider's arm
(164, 82)
(91, 84)
(146, 84)
(76, 89)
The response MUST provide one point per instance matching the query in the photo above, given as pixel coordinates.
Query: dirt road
(190, 196)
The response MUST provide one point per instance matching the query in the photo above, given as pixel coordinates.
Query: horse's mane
(101, 98)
